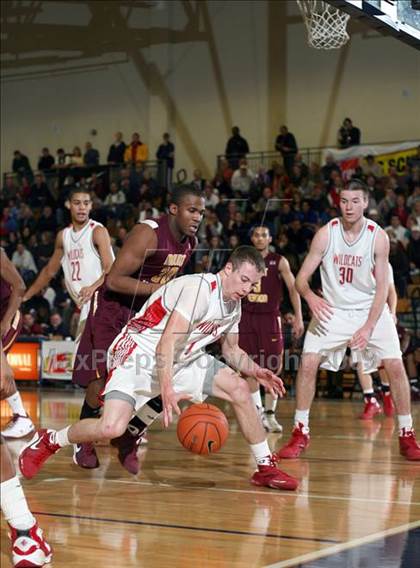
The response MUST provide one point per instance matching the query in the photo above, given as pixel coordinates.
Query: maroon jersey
(268, 294)
(167, 262)
(5, 293)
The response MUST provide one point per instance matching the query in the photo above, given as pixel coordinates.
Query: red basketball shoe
(272, 476)
(409, 447)
(371, 409)
(39, 449)
(128, 445)
(296, 445)
(389, 408)
(29, 548)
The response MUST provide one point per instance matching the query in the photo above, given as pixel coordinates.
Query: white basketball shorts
(330, 339)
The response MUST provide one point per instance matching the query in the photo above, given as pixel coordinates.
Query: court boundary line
(337, 548)
(246, 491)
(153, 524)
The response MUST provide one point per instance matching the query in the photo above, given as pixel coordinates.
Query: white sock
(270, 402)
(405, 421)
(302, 417)
(261, 452)
(16, 404)
(61, 437)
(14, 505)
(256, 397)
(146, 415)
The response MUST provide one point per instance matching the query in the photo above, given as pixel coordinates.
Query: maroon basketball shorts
(105, 321)
(261, 338)
(11, 334)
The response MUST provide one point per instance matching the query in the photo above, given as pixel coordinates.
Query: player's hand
(271, 382)
(361, 338)
(86, 294)
(170, 400)
(297, 328)
(319, 307)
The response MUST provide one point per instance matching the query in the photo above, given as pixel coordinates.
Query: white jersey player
(353, 254)
(161, 350)
(85, 254)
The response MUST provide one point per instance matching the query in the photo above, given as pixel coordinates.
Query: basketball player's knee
(112, 427)
(309, 366)
(240, 393)
(394, 368)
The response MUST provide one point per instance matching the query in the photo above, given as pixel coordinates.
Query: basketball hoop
(326, 25)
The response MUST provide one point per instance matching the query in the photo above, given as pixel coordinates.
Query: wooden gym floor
(358, 499)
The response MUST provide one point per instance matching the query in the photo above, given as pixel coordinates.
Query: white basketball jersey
(347, 269)
(198, 298)
(81, 262)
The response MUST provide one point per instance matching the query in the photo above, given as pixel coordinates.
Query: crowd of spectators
(292, 198)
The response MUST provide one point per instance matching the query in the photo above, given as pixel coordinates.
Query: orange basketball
(202, 429)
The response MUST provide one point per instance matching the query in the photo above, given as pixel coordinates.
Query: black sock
(89, 412)
(385, 389)
(368, 396)
(136, 425)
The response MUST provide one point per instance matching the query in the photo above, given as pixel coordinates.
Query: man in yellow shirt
(137, 151)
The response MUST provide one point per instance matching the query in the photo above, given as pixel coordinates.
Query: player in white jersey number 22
(353, 254)
(161, 350)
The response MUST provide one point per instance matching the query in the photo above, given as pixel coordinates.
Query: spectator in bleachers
(225, 171)
(47, 220)
(165, 156)
(413, 249)
(400, 209)
(400, 264)
(386, 204)
(121, 236)
(91, 155)
(371, 168)
(21, 165)
(137, 151)
(239, 227)
(9, 189)
(56, 328)
(198, 181)
(62, 159)
(217, 254)
(26, 218)
(46, 160)
(62, 299)
(416, 211)
(9, 222)
(116, 150)
(211, 195)
(329, 167)
(287, 146)
(236, 148)
(415, 196)
(24, 261)
(96, 185)
(348, 135)
(44, 249)
(398, 229)
(242, 179)
(39, 195)
(147, 211)
(75, 159)
(115, 199)
(30, 327)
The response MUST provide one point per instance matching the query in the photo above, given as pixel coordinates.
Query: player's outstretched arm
(239, 360)
(289, 279)
(381, 252)
(10, 274)
(318, 306)
(102, 242)
(141, 243)
(172, 341)
(49, 270)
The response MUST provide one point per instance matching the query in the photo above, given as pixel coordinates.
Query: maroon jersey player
(153, 253)
(12, 289)
(260, 332)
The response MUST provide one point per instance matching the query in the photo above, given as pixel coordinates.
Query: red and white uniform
(349, 286)
(81, 265)
(132, 356)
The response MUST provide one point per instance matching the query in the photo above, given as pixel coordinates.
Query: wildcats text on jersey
(75, 254)
(348, 260)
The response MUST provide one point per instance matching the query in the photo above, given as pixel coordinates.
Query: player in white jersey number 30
(353, 254)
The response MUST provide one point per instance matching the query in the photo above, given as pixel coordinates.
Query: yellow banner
(396, 160)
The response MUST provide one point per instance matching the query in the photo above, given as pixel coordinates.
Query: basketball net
(326, 25)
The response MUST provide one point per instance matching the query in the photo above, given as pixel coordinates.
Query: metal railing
(265, 158)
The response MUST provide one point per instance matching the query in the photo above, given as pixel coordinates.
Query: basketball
(202, 429)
